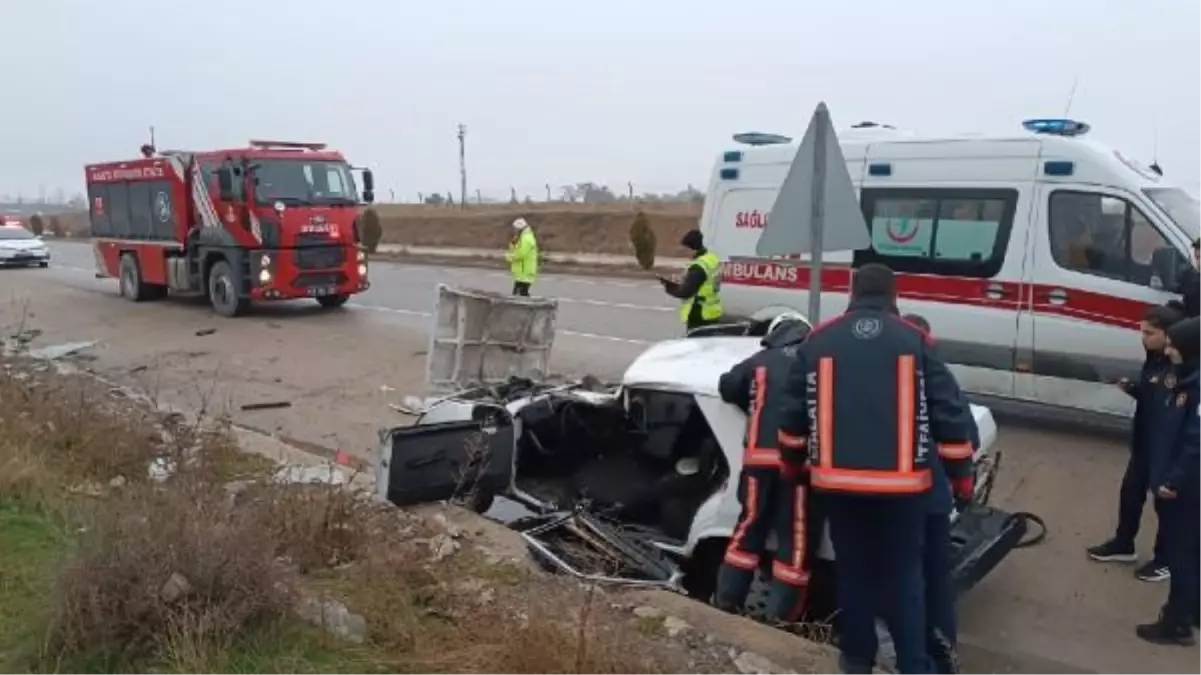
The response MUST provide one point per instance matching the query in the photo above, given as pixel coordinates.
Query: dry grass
(199, 573)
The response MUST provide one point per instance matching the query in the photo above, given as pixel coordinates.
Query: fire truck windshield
(303, 181)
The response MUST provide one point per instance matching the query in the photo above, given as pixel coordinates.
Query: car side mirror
(368, 186)
(225, 183)
(1168, 266)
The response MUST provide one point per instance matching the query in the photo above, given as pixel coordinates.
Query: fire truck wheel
(333, 301)
(223, 292)
(131, 285)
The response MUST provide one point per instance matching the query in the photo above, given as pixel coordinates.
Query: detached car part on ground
(632, 484)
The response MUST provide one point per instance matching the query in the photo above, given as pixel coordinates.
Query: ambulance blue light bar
(1056, 127)
(760, 138)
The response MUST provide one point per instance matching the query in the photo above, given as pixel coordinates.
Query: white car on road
(20, 247)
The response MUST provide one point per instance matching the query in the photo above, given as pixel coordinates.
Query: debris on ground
(266, 405)
(312, 475)
(750, 663)
(334, 617)
(205, 331)
(59, 351)
(175, 588)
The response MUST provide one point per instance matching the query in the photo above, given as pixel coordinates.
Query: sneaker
(1153, 571)
(1113, 551)
(1164, 633)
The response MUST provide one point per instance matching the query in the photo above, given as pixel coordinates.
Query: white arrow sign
(816, 209)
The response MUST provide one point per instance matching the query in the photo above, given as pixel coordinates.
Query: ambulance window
(960, 232)
(1109, 237)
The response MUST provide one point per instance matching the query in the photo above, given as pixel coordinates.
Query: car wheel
(223, 291)
(43, 265)
(130, 280)
(333, 301)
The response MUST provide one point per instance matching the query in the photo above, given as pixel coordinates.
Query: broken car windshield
(304, 181)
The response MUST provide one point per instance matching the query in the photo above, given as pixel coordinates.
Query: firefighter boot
(733, 585)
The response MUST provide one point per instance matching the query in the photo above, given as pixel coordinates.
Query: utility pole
(548, 192)
(152, 137)
(631, 186)
(479, 198)
(463, 166)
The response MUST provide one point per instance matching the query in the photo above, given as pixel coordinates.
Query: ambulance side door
(951, 249)
(1096, 259)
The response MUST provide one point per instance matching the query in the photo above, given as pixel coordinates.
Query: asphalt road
(602, 325)
(1045, 609)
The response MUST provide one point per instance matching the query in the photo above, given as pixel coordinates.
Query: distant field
(561, 227)
(566, 228)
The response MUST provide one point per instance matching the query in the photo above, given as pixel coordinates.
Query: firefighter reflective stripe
(758, 392)
(735, 556)
(872, 482)
(906, 411)
(787, 440)
(793, 572)
(954, 451)
(825, 412)
(761, 458)
(755, 455)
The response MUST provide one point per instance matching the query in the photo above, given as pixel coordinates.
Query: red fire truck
(272, 221)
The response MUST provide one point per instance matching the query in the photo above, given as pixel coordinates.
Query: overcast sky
(622, 90)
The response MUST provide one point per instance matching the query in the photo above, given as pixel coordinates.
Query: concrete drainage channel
(750, 647)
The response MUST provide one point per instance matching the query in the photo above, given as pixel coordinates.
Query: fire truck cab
(272, 221)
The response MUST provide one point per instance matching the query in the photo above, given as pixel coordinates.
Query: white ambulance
(1033, 256)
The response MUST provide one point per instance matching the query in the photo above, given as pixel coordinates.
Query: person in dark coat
(1190, 285)
(699, 288)
(771, 488)
(1149, 394)
(1176, 479)
(942, 635)
(872, 406)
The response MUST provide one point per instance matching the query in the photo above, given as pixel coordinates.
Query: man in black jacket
(1190, 285)
(942, 634)
(699, 289)
(1149, 394)
(770, 487)
(870, 404)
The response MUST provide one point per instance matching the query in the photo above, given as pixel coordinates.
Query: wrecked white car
(634, 483)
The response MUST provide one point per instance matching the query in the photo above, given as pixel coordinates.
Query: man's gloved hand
(963, 490)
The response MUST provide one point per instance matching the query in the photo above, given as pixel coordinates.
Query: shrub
(166, 565)
(642, 237)
(372, 231)
(56, 227)
(36, 225)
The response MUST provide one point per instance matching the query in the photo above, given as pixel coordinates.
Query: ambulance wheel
(223, 291)
(130, 281)
(333, 301)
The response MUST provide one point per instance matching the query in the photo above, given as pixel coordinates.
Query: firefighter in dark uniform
(942, 635)
(770, 489)
(1176, 480)
(874, 409)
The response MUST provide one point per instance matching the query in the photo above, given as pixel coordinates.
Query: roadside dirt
(561, 228)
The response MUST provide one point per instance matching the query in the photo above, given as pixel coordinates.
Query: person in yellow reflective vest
(522, 257)
(699, 288)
